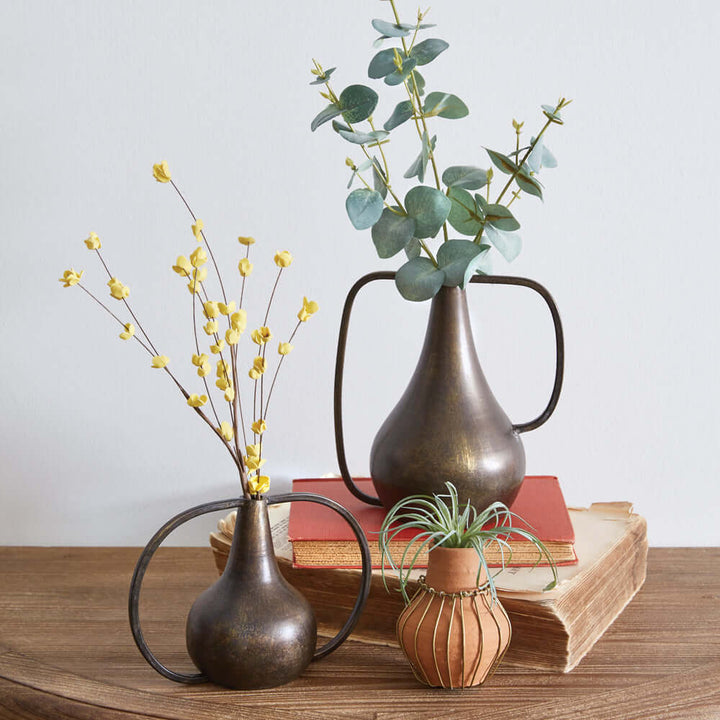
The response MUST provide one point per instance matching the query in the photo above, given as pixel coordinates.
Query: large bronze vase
(447, 425)
(250, 629)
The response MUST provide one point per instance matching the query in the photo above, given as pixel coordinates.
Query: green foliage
(443, 521)
(429, 210)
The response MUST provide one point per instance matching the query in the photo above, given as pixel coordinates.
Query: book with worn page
(551, 630)
(320, 537)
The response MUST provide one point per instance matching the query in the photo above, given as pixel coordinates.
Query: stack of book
(604, 551)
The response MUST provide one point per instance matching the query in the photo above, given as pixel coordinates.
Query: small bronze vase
(447, 425)
(250, 629)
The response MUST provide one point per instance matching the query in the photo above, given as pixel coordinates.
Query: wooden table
(66, 652)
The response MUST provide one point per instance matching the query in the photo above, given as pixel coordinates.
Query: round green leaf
(357, 103)
(363, 138)
(418, 279)
(464, 215)
(459, 259)
(413, 249)
(330, 112)
(465, 176)
(391, 29)
(382, 64)
(427, 50)
(529, 184)
(392, 232)
(397, 77)
(500, 217)
(403, 111)
(429, 208)
(508, 244)
(502, 162)
(364, 208)
(445, 105)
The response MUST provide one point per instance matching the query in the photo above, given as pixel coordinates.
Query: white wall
(97, 448)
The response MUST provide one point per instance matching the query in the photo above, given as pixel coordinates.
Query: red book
(321, 537)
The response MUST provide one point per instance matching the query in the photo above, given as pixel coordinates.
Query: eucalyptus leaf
(397, 77)
(392, 232)
(427, 50)
(379, 179)
(391, 29)
(529, 184)
(548, 159)
(429, 207)
(382, 64)
(552, 115)
(337, 126)
(330, 112)
(359, 138)
(484, 266)
(357, 103)
(444, 105)
(418, 279)
(465, 176)
(403, 111)
(419, 166)
(465, 217)
(540, 157)
(322, 79)
(502, 162)
(459, 259)
(419, 82)
(379, 41)
(501, 218)
(413, 249)
(508, 244)
(364, 208)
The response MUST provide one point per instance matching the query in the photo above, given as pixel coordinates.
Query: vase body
(453, 633)
(448, 425)
(251, 629)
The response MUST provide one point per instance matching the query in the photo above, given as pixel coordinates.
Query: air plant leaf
(418, 279)
(364, 208)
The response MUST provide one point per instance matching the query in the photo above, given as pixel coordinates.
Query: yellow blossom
(238, 320)
(218, 348)
(309, 307)
(245, 267)
(232, 336)
(283, 259)
(258, 368)
(230, 394)
(261, 335)
(253, 463)
(223, 383)
(70, 277)
(247, 241)
(198, 276)
(117, 289)
(197, 229)
(161, 172)
(210, 309)
(182, 266)
(210, 327)
(204, 369)
(259, 485)
(253, 450)
(259, 427)
(160, 361)
(226, 430)
(128, 332)
(285, 348)
(197, 401)
(199, 360)
(222, 369)
(226, 309)
(93, 242)
(198, 257)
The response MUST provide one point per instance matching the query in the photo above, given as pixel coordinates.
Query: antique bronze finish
(250, 629)
(447, 425)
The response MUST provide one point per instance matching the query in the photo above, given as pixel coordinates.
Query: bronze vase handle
(183, 517)
(340, 364)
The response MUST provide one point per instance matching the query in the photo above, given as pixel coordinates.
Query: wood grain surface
(66, 652)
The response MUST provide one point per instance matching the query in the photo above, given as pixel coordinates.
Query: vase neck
(252, 552)
(449, 330)
(454, 569)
